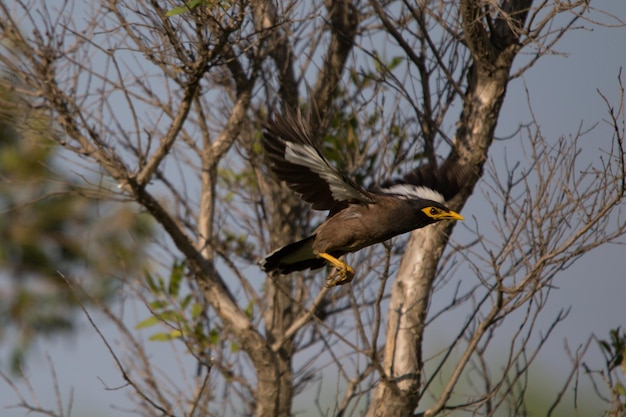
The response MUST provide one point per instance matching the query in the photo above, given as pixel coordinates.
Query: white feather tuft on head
(414, 191)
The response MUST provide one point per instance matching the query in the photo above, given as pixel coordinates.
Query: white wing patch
(307, 156)
(414, 191)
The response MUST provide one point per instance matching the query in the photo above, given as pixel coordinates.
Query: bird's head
(437, 212)
(427, 204)
(432, 211)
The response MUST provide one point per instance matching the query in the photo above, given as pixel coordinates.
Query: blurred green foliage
(181, 313)
(168, 306)
(52, 234)
(190, 5)
(614, 351)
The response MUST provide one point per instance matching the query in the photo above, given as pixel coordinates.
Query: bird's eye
(433, 211)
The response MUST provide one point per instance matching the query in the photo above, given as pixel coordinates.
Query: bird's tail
(296, 256)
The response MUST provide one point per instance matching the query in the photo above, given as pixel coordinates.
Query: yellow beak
(451, 215)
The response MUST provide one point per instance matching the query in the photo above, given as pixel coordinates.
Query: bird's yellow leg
(344, 273)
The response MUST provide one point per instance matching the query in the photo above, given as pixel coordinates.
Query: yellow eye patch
(439, 214)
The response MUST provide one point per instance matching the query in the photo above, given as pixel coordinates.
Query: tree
(169, 101)
(44, 214)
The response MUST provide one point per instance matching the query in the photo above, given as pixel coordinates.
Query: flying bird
(357, 217)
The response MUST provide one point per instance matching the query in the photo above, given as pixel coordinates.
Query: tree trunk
(398, 392)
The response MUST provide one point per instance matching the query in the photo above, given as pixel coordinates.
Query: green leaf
(394, 63)
(150, 321)
(185, 8)
(161, 285)
(198, 332)
(171, 316)
(185, 303)
(250, 309)
(214, 337)
(150, 281)
(605, 346)
(196, 310)
(176, 276)
(158, 304)
(165, 337)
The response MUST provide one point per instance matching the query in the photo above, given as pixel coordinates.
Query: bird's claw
(341, 276)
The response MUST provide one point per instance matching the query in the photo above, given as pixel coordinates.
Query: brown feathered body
(357, 217)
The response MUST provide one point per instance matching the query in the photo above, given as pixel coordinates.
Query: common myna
(358, 217)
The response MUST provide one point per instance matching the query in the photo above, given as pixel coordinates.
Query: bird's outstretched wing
(295, 159)
(445, 181)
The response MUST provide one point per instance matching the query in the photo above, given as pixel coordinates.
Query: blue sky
(563, 93)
